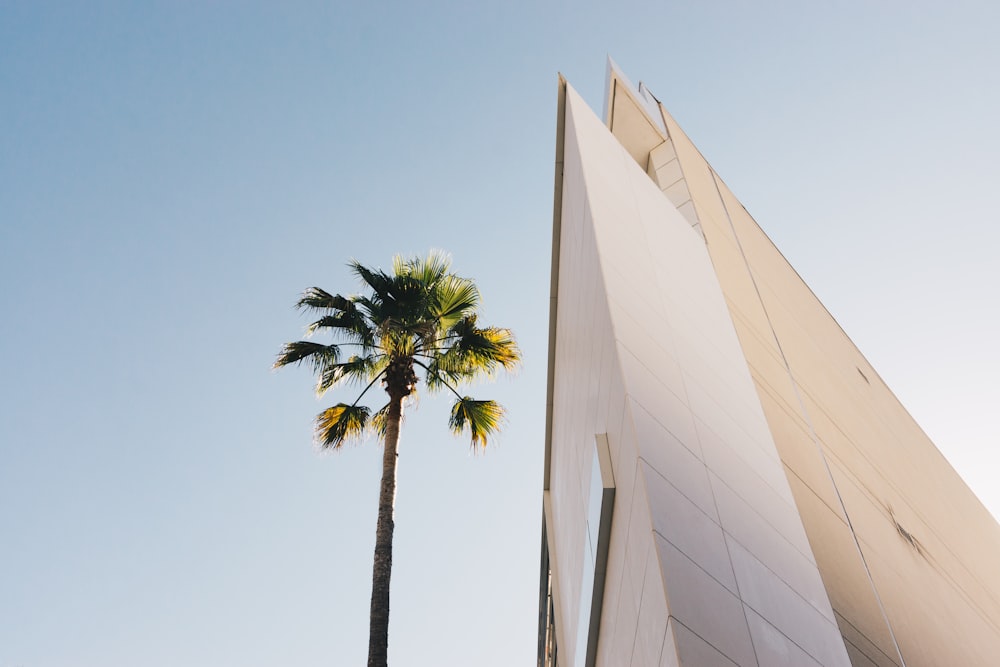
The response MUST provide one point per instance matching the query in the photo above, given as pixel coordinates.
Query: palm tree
(419, 322)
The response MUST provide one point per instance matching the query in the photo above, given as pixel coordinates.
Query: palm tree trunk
(378, 637)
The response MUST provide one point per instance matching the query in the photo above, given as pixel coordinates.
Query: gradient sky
(173, 174)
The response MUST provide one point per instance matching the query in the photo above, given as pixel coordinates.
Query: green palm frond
(464, 326)
(454, 299)
(357, 369)
(341, 423)
(495, 345)
(407, 302)
(320, 356)
(371, 309)
(441, 374)
(397, 303)
(379, 282)
(473, 350)
(316, 298)
(349, 321)
(482, 418)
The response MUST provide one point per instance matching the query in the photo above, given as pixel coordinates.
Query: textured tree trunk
(378, 638)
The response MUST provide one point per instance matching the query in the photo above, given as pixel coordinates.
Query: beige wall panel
(652, 623)
(948, 621)
(686, 527)
(865, 427)
(854, 454)
(798, 451)
(839, 388)
(943, 624)
(776, 540)
(934, 628)
(861, 649)
(785, 610)
(751, 476)
(768, 366)
(684, 647)
(771, 268)
(711, 399)
(819, 352)
(774, 648)
(843, 572)
(740, 293)
(705, 606)
(664, 453)
(859, 659)
(950, 616)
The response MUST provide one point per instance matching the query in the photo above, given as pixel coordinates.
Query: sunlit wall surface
(774, 503)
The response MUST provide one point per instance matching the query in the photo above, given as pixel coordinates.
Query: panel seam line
(808, 419)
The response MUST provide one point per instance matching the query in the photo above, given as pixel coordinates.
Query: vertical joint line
(812, 430)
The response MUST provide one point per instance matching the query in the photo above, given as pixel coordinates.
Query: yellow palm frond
(379, 420)
(476, 351)
(482, 418)
(341, 423)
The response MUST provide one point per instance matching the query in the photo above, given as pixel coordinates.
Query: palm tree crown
(422, 319)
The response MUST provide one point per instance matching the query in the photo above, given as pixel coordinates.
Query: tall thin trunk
(378, 638)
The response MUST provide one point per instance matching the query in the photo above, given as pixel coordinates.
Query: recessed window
(600, 503)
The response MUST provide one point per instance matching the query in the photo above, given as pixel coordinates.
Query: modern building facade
(727, 480)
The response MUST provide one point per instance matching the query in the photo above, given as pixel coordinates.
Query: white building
(727, 480)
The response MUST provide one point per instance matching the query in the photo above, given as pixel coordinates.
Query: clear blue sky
(172, 175)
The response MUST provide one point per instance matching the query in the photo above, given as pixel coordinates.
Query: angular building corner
(727, 480)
